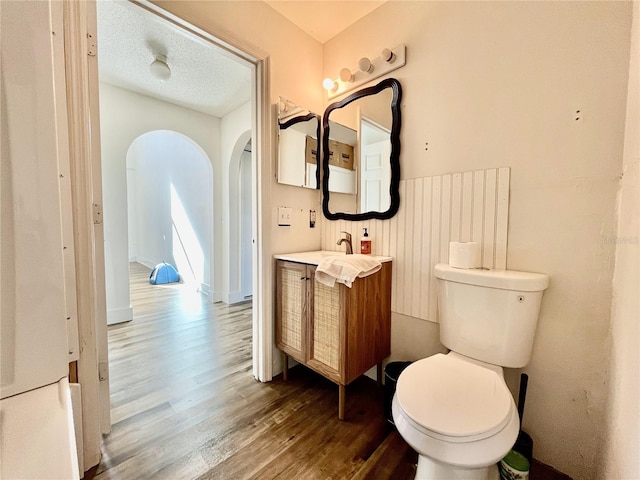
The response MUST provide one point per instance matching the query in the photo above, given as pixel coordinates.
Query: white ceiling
(204, 77)
(323, 19)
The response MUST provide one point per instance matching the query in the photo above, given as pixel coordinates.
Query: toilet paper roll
(464, 254)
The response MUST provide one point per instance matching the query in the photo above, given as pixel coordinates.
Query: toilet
(455, 410)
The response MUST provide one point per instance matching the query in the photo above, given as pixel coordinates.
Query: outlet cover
(284, 216)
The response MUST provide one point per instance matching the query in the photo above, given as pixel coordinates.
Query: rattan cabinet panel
(339, 332)
(325, 328)
(291, 308)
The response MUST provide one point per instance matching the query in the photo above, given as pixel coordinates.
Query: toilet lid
(445, 395)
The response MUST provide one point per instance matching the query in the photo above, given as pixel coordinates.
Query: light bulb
(387, 55)
(346, 75)
(329, 84)
(365, 65)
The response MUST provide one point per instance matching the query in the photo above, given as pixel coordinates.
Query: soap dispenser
(365, 243)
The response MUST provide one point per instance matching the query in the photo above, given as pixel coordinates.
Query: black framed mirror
(298, 152)
(360, 181)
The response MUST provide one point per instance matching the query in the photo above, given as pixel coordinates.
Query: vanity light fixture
(367, 70)
(159, 67)
(288, 109)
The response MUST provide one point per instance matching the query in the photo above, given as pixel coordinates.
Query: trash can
(391, 373)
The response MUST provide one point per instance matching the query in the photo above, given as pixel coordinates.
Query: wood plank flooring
(186, 406)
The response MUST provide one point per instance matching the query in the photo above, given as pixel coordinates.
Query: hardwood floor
(185, 404)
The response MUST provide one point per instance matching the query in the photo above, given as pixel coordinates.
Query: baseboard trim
(146, 262)
(119, 315)
(205, 289)
(234, 297)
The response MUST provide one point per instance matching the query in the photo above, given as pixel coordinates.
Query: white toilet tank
(489, 315)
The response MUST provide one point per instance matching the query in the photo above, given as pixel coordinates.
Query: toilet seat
(453, 400)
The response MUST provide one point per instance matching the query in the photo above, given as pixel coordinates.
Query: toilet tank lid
(503, 279)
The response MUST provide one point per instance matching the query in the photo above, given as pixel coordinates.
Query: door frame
(362, 190)
(81, 68)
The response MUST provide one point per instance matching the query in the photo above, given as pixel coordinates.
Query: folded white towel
(345, 269)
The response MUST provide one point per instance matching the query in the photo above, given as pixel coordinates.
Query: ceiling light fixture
(159, 67)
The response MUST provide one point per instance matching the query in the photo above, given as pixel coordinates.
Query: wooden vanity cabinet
(339, 332)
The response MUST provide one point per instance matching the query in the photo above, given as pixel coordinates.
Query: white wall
(124, 116)
(623, 421)
(498, 84)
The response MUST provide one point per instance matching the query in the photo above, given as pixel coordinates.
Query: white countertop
(314, 258)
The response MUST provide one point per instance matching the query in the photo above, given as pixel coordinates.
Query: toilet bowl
(455, 410)
(458, 414)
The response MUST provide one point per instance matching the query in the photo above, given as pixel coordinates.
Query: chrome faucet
(348, 241)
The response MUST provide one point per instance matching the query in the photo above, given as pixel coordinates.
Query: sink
(329, 253)
(315, 257)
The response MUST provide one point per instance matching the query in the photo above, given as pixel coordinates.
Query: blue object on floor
(164, 273)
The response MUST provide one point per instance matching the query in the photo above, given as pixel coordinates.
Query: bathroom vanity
(339, 332)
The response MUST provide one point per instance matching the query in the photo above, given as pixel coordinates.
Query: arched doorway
(240, 235)
(170, 205)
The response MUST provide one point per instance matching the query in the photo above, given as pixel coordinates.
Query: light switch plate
(284, 216)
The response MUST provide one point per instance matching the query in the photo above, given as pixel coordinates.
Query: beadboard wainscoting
(455, 207)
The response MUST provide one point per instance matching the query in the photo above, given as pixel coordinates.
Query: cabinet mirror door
(298, 153)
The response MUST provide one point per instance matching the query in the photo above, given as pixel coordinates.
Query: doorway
(239, 264)
(246, 214)
(170, 205)
(83, 98)
(142, 102)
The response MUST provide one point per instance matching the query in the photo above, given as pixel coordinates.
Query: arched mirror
(361, 152)
(298, 159)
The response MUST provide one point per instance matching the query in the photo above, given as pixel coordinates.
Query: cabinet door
(326, 329)
(291, 308)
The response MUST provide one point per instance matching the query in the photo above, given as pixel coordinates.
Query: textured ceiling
(203, 77)
(323, 19)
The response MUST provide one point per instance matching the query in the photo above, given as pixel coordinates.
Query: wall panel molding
(454, 207)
